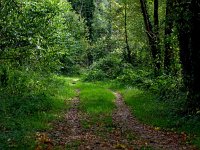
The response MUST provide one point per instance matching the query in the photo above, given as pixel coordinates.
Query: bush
(25, 94)
(167, 88)
(170, 90)
(27, 103)
(69, 66)
(106, 68)
(135, 77)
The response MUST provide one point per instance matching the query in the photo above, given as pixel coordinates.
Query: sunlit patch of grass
(146, 107)
(95, 100)
(17, 131)
(64, 92)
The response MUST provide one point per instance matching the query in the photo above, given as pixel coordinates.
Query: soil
(155, 138)
(125, 132)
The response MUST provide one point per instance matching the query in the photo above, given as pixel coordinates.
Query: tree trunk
(194, 96)
(189, 31)
(156, 20)
(152, 35)
(184, 36)
(168, 53)
(128, 51)
(109, 35)
(157, 40)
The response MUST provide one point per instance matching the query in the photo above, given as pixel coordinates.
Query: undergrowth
(28, 103)
(149, 109)
(158, 101)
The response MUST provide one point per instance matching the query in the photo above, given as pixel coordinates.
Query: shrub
(135, 77)
(25, 94)
(69, 66)
(106, 68)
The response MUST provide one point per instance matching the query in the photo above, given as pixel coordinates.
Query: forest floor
(86, 128)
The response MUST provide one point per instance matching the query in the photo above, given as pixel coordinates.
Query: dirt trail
(68, 129)
(154, 138)
(64, 131)
(125, 133)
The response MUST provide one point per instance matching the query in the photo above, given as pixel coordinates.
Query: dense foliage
(153, 45)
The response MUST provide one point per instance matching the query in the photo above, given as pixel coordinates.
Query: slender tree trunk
(168, 53)
(128, 57)
(152, 35)
(157, 40)
(81, 7)
(156, 20)
(109, 35)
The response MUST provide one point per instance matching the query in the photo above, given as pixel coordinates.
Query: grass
(149, 110)
(146, 107)
(18, 127)
(97, 101)
(97, 104)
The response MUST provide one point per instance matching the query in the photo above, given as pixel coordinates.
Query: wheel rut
(126, 132)
(68, 129)
(157, 139)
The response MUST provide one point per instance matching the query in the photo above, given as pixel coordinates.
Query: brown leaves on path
(154, 137)
(64, 131)
(125, 132)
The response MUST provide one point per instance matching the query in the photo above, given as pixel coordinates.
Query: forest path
(155, 138)
(64, 131)
(124, 132)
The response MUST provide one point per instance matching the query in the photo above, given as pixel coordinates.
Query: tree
(188, 23)
(152, 34)
(169, 21)
(86, 9)
(128, 51)
(109, 17)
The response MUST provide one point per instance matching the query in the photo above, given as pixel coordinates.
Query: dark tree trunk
(157, 40)
(109, 35)
(184, 35)
(189, 31)
(152, 35)
(156, 20)
(128, 51)
(168, 53)
(194, 101)
(87, 12)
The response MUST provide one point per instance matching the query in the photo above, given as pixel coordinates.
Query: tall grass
(150, 110)
(97, 103)
(27, 104)
(96, 99)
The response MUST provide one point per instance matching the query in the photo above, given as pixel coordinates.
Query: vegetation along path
(147, 50)
(151, 136)
(87, 125)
